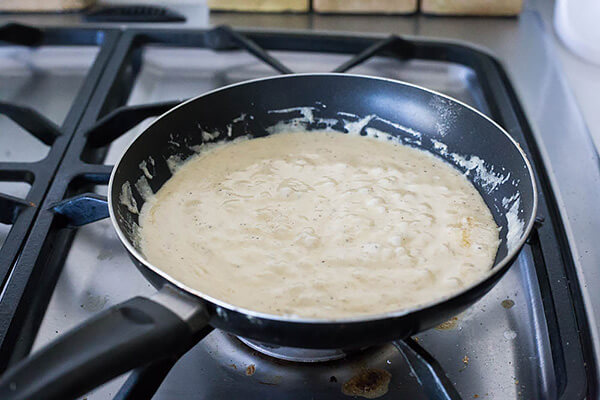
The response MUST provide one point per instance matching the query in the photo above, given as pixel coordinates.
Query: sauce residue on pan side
(320, 224)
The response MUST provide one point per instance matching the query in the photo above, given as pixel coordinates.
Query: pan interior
(415, 117)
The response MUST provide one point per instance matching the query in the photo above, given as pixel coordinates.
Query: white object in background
(577, 23)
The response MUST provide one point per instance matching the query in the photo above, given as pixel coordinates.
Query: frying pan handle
(126, 336)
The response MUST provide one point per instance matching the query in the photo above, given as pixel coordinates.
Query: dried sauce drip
(250, 369)
(452, 323)
(507, 303)
(370, 383)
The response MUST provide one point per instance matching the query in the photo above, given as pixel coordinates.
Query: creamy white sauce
(490, 181)
(126, 198)
(143, 188)
(144, 167)
(320, 224)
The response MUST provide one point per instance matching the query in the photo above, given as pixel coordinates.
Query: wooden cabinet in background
(44, 5)
(472, 7)
(260, 5)
(365, 6)
(433, 7)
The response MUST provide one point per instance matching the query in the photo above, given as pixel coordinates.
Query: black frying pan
(142, 329)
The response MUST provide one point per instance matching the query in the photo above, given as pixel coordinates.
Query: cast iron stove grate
(18, 212)
(70, 203)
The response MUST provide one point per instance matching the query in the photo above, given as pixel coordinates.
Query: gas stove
(73, 98)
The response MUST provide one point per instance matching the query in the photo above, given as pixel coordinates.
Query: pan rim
(251, 314)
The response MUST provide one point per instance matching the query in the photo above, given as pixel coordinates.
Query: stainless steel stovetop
(498, 349)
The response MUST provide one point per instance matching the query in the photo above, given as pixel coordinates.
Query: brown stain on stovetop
(452, 323)
(369, 383)
(508, 303)
(250, 369)
(274, 381)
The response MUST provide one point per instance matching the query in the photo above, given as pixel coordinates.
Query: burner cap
(293, 353)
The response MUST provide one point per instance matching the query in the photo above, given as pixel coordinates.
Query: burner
(296, 354)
